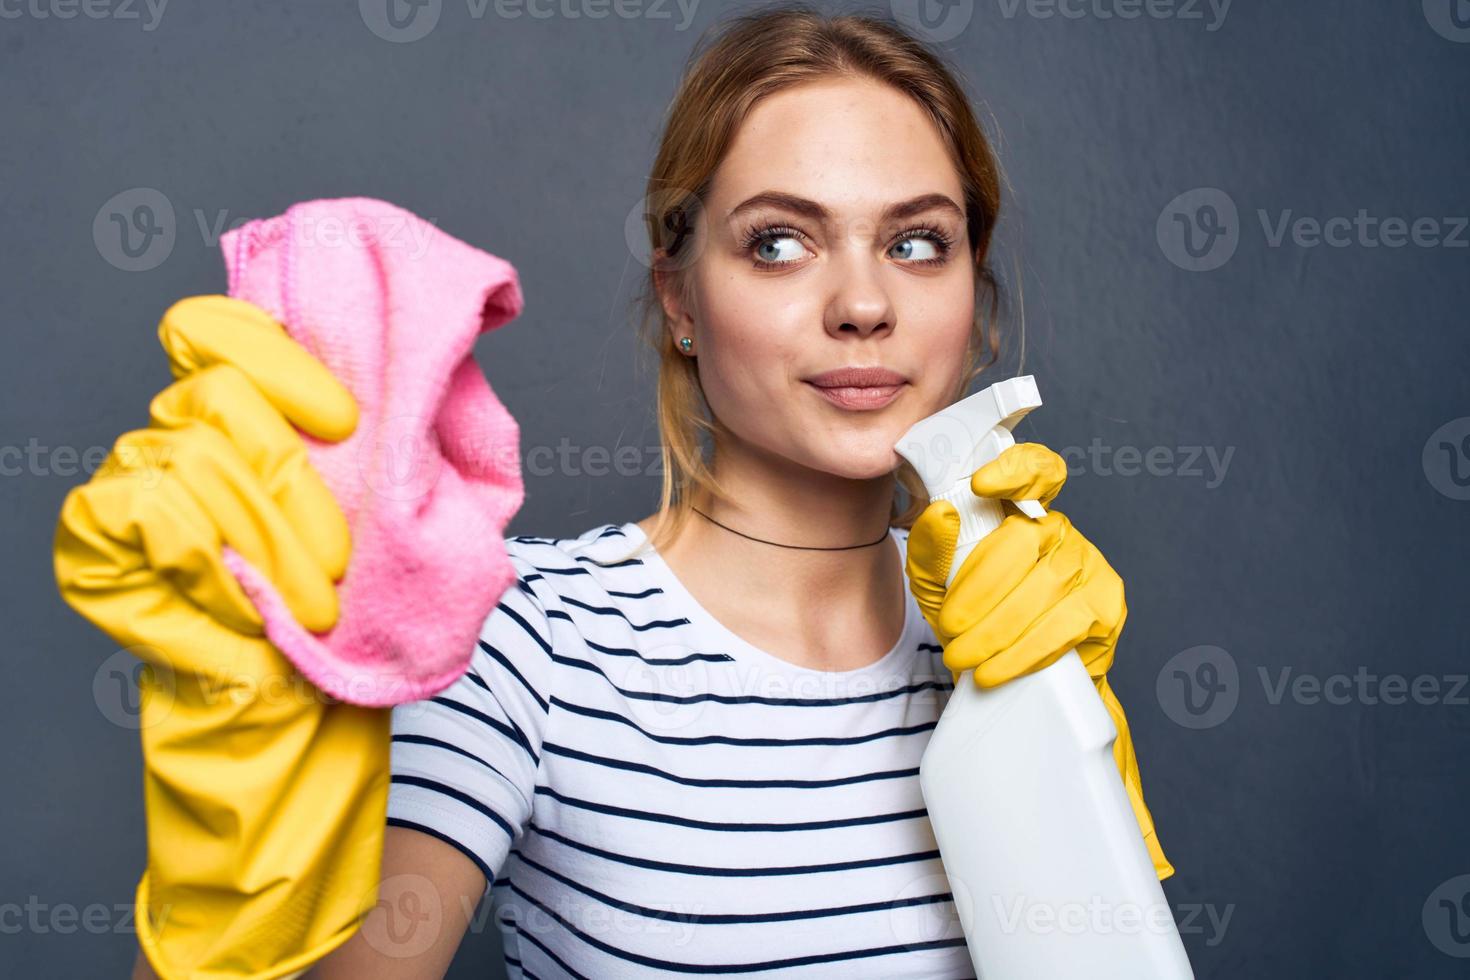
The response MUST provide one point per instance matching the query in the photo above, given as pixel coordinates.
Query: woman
(690, 743)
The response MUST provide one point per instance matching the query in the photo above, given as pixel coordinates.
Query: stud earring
(686, 344)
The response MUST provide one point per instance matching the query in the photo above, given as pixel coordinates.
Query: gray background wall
(1325, 541)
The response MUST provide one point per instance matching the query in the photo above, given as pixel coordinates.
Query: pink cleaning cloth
(432, 474)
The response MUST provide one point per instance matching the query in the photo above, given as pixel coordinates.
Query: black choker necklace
(778, 544)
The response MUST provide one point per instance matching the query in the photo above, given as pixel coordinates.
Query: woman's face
(862, 260)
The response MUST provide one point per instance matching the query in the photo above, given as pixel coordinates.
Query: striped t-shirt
(650, 795)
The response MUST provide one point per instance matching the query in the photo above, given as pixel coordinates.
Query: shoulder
(538, 619)
(573, 558)
(595, 566)
(597, 540)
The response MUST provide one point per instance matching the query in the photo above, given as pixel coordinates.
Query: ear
(670, 286)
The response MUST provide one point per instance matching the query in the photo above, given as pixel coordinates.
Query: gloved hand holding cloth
(309, 532)
(263, 796)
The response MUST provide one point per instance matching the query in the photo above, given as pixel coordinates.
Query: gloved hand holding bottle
(264, 798)
(1030, 591)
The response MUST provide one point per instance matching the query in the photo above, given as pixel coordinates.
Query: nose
(860, 305)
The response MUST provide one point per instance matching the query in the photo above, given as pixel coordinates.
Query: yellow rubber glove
(265, 800)
(1030, 591)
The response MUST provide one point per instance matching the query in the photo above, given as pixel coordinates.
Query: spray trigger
(1030, 508)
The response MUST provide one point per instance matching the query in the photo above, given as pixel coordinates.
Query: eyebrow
(811, 209)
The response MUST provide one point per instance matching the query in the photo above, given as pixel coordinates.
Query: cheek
(744, 377)
(945, 320)
(750, 347)
(961, 337)
(958, 314)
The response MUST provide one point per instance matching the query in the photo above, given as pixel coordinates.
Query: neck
(778, 501)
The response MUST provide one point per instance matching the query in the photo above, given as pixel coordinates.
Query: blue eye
(766, 245)
(934, 237)
(933, 247)
(768, 249)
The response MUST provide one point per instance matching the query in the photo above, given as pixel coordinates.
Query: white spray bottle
(1049, 872)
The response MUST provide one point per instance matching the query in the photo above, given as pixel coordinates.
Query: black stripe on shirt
(866, 777)
(693, 869)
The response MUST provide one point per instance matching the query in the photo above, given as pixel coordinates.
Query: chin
(866, 463)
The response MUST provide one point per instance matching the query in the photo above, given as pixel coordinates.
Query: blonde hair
(746, 59)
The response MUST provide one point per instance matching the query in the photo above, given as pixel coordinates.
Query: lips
(860, 399)
(857, 377)
(859, 388)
